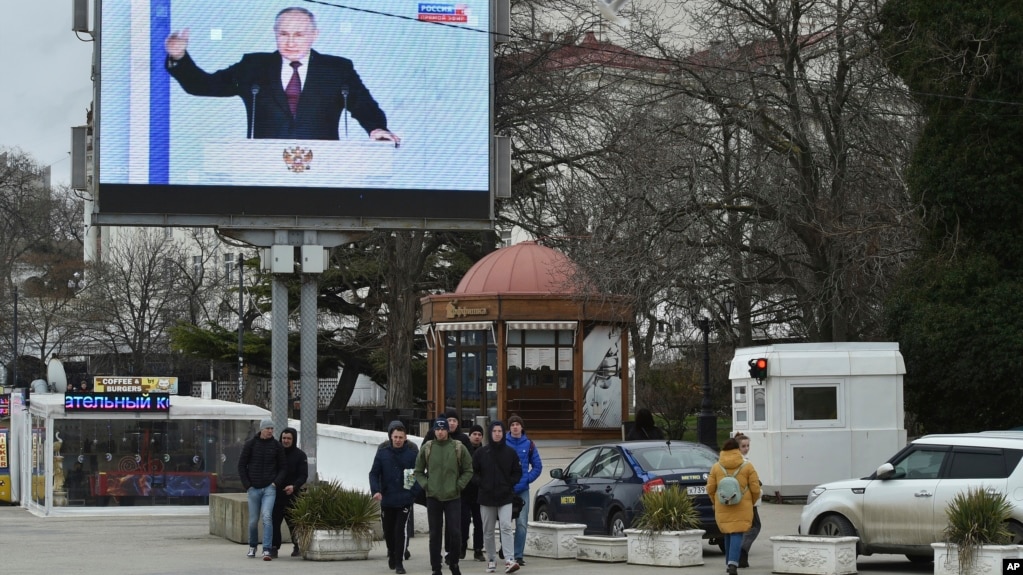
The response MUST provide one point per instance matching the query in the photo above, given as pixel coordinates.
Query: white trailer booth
(825, 411)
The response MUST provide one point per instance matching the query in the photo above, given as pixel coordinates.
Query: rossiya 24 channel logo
(454, 13)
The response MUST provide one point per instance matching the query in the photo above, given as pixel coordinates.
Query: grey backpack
(729, 491)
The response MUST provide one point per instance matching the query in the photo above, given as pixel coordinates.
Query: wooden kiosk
(520, 336)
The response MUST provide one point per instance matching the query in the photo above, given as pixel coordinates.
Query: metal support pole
(14, 369)
(241, 328)
(308, 379)
(706, 421)
(279, 354)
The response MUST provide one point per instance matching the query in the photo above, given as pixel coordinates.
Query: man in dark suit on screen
(293, 93)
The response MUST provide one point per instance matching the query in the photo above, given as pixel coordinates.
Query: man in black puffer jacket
(495, 470)
(261, 468)
(296, 473)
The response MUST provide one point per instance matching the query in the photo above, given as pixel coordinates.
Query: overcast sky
(47, 88)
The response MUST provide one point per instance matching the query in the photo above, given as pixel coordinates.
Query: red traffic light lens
(761, 363)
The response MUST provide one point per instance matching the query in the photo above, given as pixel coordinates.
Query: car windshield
(664, 458)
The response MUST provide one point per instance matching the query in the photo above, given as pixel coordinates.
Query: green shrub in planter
(975, 518)
(326, 505)
(668, 509)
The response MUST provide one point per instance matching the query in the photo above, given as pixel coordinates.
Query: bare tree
(133, 297)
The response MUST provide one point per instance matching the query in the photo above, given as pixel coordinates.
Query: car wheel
(920, 558)
(1017, 533)
(834, 526)
(541, 513)
(616, 525)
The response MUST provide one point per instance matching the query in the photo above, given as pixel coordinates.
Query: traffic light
(758, 368)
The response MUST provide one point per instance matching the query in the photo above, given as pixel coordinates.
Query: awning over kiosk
(436, 328)
(464, 326)
(552, 325)
(542, 325)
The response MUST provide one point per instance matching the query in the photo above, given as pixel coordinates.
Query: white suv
(900, 508)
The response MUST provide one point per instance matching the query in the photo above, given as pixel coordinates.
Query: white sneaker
(491, 567)
(511, 567)
(251, 553)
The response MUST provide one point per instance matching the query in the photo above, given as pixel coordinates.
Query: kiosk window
(759, 405)
(816, 405)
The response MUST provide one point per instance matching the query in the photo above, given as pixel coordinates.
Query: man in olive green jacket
(443, 469)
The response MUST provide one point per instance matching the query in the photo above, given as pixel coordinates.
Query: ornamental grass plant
(667, 509)
(976, 517)
(327, 505)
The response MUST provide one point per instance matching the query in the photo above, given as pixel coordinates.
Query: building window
(196, 266)
(229, 265)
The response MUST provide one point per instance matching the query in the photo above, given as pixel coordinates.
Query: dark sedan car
(602, 487)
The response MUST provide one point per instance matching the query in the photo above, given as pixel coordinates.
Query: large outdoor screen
(385, 112)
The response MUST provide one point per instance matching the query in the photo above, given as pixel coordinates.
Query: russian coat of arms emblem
(298, 159)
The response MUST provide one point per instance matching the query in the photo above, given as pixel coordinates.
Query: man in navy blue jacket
(392, 482)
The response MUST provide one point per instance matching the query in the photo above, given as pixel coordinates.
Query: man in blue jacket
(392, 482)
(529, 457)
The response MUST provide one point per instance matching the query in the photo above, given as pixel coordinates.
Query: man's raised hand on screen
(176, 44)
(381, 134)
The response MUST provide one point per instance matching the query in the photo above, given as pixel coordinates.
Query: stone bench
(229, 518)
(814, 554)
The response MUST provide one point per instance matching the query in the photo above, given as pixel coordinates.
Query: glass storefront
(123, 462)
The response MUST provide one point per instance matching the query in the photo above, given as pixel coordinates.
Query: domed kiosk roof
(526, 267)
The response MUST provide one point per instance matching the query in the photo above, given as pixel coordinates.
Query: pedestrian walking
(732, 486)
(529, 457)
(392, 483)
(261, 470)
(750, 536)
(296, 473)
(443, 469)
(470, 505)
(496, 470)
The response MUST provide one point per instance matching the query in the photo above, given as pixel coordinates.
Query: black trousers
(395, 521)
(282, 503)
(445, 520)
(471, 516)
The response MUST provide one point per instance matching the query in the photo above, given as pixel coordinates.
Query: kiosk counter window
(119, 462)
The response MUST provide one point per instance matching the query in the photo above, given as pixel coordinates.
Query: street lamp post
(706, 421)
(241, 329)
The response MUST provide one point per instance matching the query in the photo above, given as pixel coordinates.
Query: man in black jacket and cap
(296, 473)
(261, 470)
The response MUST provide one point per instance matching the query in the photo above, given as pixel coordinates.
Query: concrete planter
(602, 549)
(988, 559)
(665, 548)
(814, 555)
(552, 539)
(327, 545)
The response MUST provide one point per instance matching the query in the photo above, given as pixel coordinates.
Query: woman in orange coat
(733, 520)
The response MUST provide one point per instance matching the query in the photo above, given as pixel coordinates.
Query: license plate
(696, 490)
